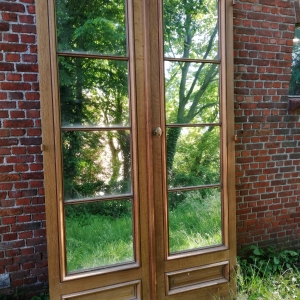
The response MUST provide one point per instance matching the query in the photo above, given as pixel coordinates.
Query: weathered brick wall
(267, 149)
(23, 240)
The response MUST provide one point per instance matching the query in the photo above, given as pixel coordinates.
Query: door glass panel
(195, 219)
(191, 29)
(93, 92)
(192, 92)
(96, 163)
(94, 26)
(98, 234)
(193, 156)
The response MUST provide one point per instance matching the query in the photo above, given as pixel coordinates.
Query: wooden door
(137, 120)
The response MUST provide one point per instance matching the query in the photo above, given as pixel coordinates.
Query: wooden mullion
(193, 60)
(193, 125)
(195, 188)
(91, 55)
(94, 128)
(99, 199)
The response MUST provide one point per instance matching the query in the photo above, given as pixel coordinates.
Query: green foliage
(201, 165)
(255, 281)
(94, 92)
(97, 240)
(295, 72)
(41, 297)
(21, 296)
(270, 261)
(295, 78)
(113, 209)
(92, 26)
(260, 277)
(196, 222)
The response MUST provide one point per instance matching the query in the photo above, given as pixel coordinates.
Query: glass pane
(193, 156)
(94, 26)
(93, 92)
(195, 219)
(192, 92)
(98, 234)
(191, 29)
(295, 78)
(96, 163)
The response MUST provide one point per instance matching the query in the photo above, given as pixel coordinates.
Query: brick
(17, 123)
(25, 226)
(9, 17)
(13, 47)
(9, 177)
(28, 38)
(26, 19)
(27, 67)
(6, 67)
(24, 28)
(11, 38)
(10, 211)
(15, 86)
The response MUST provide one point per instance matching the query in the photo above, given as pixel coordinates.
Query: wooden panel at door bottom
(195, 278)
(125, 291)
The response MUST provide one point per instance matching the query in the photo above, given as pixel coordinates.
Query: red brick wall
(267, 149)
(23, 240)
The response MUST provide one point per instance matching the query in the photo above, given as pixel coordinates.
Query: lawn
(94, 238)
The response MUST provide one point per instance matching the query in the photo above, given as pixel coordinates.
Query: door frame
(207, 257)
(146, 29)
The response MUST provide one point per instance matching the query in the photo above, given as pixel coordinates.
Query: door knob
(157, 131)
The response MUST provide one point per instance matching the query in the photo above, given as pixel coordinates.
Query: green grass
(94, 241)
(97, 240)
(277, 286)
(195, 223)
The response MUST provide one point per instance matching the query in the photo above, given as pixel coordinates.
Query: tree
(192, 89)
(95, 92)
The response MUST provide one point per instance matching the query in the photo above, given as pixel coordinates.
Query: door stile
(150, 122)
(134, 130)
(56, 124)
(144, 144)
(45, 71)
(224, 149)
(155, 83)
(230, 143)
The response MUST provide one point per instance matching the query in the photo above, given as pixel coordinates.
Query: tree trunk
(172, 138)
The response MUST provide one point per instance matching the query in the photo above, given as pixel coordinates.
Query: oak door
(137, 120)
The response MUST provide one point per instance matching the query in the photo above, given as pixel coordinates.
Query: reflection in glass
(96, 26)
(98, 234)
(93, 92)
(96, 163)
(295, 76)
(193, 156)
(191, 29)
(195, 219)
(192, 92)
